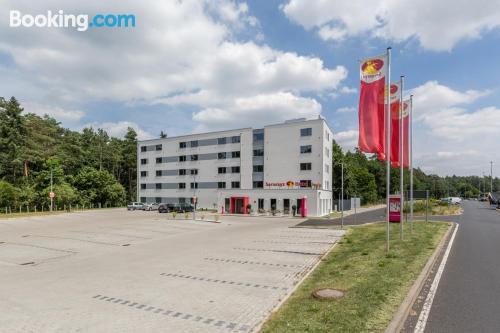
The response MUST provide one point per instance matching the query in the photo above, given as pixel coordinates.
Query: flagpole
(410, 142)
(401, 157)
(388, 146)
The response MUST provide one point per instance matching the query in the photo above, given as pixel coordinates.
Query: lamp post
(342, 196)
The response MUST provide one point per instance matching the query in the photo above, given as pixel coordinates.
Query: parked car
(150, 206)
(175, 207)
(135, 205)
(452, 200)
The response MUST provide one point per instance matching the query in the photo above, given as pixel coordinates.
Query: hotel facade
(274, 168)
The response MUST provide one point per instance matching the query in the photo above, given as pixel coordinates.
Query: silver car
(151, 206)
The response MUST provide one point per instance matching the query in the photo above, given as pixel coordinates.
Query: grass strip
(375, 282)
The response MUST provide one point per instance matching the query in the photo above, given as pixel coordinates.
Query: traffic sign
(52, 195)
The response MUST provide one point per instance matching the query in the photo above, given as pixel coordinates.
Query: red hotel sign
(291, 184)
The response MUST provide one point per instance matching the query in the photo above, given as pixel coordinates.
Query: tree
(130, 158)
(12, 138)
(7, 194)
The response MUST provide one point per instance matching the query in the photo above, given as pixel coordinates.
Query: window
(194, 171)
(158, 199)
(235, 169)
(182, 145)
(327, 185)
(158, 160)
(158, 173)
(306, 131)
(235, 154)
(194, 157)
(305, 166)
(258, 168)
(194, 144)
(260, 203)
(143, 199)
(327, 168)
(258, 184)
(181, 185)
(306, 149)
(182, 172)
(222, 170)
(305, 183)
(221, 185)
(144, 173)
(221, 141)
(235, 139)
(258, 136)
(144, 148)
(143, 186)
(221, 156)
(158, 186)
(258, 152)
(327, 152)
(194, 185)
(235, 184)
(158, 147)
(144, 161)
(327, 134)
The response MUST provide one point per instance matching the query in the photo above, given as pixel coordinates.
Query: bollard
(35, 209)
(27, 208)
(19, 209)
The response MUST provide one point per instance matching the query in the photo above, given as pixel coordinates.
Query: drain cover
(328, 293)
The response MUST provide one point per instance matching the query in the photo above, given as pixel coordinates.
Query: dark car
(175, 207)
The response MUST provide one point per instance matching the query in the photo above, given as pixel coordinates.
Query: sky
(196, 66)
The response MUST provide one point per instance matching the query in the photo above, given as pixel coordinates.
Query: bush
(7, 194)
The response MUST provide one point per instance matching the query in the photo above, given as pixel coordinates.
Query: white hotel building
(271, 168)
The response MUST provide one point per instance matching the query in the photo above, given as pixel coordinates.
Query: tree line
(365, 177)
(87, 168)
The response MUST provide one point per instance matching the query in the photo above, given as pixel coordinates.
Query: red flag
(395, 127)
(371, 106)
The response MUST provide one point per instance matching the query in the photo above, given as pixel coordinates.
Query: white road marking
(426, 309)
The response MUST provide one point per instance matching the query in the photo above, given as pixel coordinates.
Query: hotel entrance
(238, 205)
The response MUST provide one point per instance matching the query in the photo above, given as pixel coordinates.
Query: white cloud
(257, 111)
(180, 53)
(398, 20)
(347, 109)
(348, 140)
(431, 97)
(64, 115)
(119, 129)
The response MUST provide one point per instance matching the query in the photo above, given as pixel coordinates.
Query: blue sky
(195, 66)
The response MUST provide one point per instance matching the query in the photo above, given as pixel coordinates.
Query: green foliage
(7, 194)
(87, 168)
(365, 177)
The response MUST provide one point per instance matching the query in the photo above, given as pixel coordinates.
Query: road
(468, 296)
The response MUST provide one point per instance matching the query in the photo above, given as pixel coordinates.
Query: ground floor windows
(260, 204)
(221, 185)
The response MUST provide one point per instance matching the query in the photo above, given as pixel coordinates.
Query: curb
(259, 326)
(401, 315)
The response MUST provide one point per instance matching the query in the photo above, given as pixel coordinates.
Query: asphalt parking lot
(119, 271)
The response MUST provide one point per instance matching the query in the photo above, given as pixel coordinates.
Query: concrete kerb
(401, 315)
(257, 328)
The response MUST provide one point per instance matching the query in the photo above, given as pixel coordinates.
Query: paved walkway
(119, 271)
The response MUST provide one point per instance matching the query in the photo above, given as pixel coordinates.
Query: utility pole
(491, 176)
(51, 190)
(342, 196)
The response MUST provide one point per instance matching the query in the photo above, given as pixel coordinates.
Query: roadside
(375, 282)
(467, 297)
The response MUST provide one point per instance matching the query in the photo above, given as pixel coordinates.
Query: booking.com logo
(61, 20)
